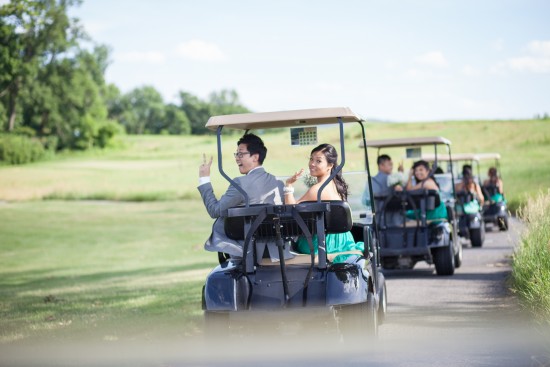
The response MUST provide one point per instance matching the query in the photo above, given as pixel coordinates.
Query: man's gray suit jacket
(261, 187)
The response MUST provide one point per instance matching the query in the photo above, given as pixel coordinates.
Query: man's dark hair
(383, 158)
(255, 145)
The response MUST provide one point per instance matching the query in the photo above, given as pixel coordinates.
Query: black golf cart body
(352, 292)
(494, 212)
(406, 242)
(471, 225)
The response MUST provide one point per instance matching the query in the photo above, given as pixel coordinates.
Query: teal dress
(335, 242)
(438, 213)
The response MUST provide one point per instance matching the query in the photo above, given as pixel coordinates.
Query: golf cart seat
(337, 219)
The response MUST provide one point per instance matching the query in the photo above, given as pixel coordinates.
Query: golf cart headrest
(337, 219)
(395, 201)
(431, 197)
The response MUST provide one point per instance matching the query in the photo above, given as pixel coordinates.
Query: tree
(141, 111)
(33, 35)
(225, 102)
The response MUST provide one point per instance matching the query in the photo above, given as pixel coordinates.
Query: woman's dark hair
(467, 175)
(332, 158)
(255, 145)
(493, 176)
(427, 166)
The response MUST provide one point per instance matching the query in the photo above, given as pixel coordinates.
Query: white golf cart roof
(430, 157)
(406, 142)
(482, 156)
(293, 118)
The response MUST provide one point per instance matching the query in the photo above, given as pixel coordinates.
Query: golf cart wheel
(444, 260)
(216, 324)
(358, 320)
(477, 236)
(382, 301)
(458, 255)
(503, 223)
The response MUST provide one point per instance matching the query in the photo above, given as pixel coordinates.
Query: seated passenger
(469, 185)
(421, 173)
(322, 161)
(494, 182)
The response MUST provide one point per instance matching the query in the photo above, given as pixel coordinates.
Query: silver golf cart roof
(483, 156)
(430, 157)
(407, 142)
(292, 118)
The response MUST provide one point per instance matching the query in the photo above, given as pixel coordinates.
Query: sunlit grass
(531, 265)
(101, 270)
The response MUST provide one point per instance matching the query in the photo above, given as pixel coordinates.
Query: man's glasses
(240, 154)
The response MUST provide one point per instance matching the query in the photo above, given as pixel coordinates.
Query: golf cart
(271, 276)
(495, 210)
(407, 231)
(471, 225)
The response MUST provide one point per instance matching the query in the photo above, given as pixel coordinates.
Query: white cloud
(149, 57)
(537, 60)
(541, 48)
(433, 58)
(469, 70)
(201, 51)
(530, 64)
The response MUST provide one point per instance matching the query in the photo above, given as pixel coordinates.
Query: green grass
(101, 270)
(531, 265)
(108, 244)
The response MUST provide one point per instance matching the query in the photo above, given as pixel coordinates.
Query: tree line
(54, 96)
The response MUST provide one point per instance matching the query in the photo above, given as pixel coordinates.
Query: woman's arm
(479, 194)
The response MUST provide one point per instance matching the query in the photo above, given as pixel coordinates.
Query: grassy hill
(108, 244)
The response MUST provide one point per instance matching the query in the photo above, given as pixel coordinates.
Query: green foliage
(531, 265)
(19, 149)
(47, 83)
(225, 102)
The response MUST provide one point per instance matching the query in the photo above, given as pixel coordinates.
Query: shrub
(531, 265)
(19, 149)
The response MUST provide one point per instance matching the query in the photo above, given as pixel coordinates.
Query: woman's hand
(204, 168)
(294, 178)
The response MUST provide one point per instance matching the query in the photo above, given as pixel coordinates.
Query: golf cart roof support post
(222, 172)
(436, 163)
(342, 161)
(367, 168)
(452, 171)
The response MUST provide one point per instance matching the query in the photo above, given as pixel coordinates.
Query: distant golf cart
(407, 232)
(495, 210)
(471, 225)
(271, 276)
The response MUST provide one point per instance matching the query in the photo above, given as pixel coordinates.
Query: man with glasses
(261, 187)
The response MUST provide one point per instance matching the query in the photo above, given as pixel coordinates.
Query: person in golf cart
(423, 181)
(469, 187)
(493, 186)
(261, 187)
(322, 161)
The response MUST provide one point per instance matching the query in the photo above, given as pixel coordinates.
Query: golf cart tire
(477, 236)
(382, 301)
(458, 255)
(358, 320)
(443, 258)
(502, 223)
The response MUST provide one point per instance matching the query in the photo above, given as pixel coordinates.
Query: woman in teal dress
(421, 173)
(494, 181)
(469, 185)
(322, 161)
